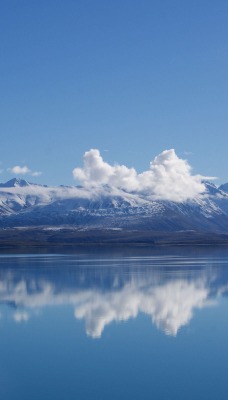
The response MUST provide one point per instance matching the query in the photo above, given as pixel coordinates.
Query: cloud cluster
(169, 177)
(17, 170)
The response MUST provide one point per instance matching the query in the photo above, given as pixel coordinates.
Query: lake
(122, 323)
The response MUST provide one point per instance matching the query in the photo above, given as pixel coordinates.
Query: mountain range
(24, 204)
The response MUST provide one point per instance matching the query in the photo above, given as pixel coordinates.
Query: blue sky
(131, 78)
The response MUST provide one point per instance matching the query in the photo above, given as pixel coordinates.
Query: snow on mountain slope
(15, 182)
(26, 204)
(224, 187)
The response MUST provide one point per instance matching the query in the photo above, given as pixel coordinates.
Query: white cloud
(36, 173)
(169, 177)
(18, 170)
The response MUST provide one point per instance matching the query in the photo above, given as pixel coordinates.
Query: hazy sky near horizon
(130, 78)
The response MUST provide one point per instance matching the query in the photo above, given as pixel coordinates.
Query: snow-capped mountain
(27, 204)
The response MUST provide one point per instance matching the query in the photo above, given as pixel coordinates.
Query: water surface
(123, 324)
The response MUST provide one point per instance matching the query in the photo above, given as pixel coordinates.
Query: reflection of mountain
(161, 288)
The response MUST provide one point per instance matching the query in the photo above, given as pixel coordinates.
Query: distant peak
(210, 184)
(15, 182)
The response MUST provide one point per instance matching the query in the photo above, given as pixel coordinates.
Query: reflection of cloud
(170, 304)
(173, 304)
(20, 316)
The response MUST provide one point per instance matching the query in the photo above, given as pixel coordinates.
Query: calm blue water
(123, 324)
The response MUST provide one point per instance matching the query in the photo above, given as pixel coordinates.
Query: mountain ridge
(26, 204)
